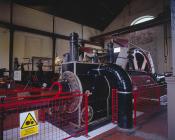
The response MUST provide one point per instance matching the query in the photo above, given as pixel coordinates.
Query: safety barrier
(43, 114)
(146, 102)
(114, 106)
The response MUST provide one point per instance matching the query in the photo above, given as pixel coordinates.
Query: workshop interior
(87, 69)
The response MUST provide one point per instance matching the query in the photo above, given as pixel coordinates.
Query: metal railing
(42, 114)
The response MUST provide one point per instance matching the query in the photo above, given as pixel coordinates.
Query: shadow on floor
(153, 128)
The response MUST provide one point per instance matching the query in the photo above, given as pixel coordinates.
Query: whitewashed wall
(4, 48)
(151, 39)
(135, 9)
(27, 45)
(4, 12)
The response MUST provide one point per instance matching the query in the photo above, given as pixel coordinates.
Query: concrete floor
(149, 127)
(153, 128)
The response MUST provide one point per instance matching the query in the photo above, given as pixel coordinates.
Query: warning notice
(28, 124)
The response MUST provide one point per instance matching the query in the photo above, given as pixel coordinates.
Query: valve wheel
(90, 114)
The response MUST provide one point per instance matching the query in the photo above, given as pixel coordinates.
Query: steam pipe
(110, 51)
(120, 80)
(73, 55)
(123, 81)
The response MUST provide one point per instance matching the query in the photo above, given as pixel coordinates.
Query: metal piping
(110, 53)
(119, 79)
(123, 81)
(73, 55)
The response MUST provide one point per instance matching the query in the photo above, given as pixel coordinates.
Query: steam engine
(98, 79)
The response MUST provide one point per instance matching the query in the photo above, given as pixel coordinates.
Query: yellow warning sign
(28, 124)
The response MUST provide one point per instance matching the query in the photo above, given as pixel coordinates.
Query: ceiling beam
(39, 32)
(161, 19)
(31, 30)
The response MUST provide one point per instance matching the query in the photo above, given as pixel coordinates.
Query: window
(142, 19)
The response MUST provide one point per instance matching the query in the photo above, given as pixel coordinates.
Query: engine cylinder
(73, 55)
(110, 51)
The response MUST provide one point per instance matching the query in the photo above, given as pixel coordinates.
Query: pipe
(73, 55)
(120, 80)
(123, 81)
(110, 51)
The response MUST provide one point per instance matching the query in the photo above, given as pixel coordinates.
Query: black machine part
(2, 70)
(73, 55)
(110, 51)
(120, 80)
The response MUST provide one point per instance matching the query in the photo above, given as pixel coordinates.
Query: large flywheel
(140, 60)
(75, 87)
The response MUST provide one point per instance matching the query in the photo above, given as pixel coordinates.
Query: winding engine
(98, 79)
